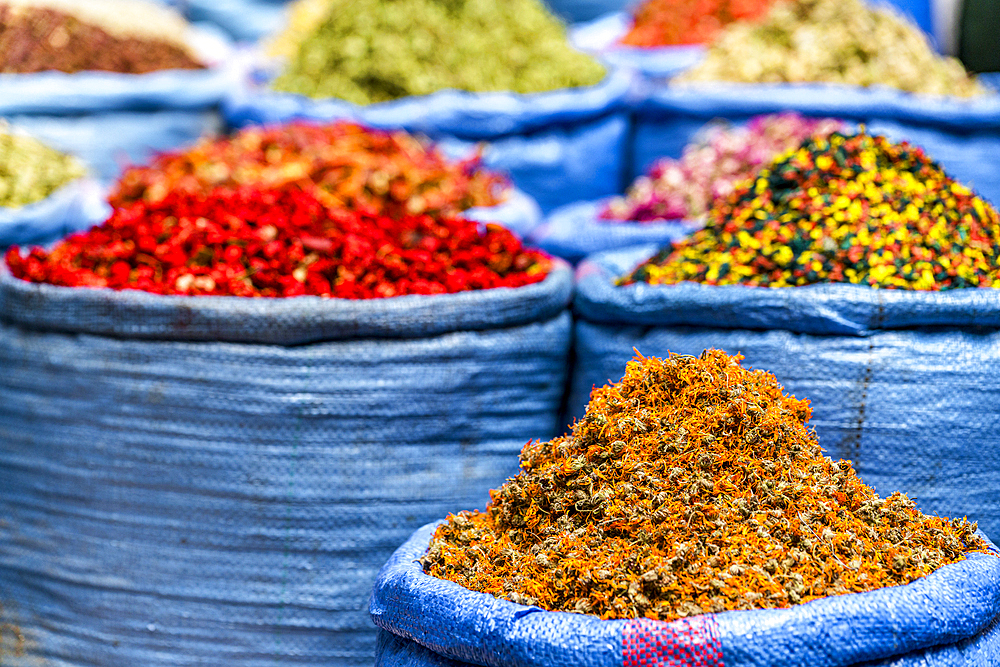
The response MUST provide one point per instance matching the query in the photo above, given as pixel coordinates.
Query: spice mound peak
(693, 485)
(858, 209)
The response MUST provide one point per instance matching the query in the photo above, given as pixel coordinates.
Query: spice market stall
(690, 518)
(224, 407)
(874, 294)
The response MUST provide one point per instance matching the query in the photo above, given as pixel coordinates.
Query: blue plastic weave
(948, 618)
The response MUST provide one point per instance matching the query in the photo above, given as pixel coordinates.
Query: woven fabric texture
(134, 314)
(110, 141)
(906, 385)
(689, 642)
(75, 206)
(219, 503)
(576, 230)
(520, 213)
(559, 146)
(601, 37)
(947, 619)
(963, 135)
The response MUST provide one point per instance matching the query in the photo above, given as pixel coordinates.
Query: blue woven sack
(577, 230)
(217, 480)
(244, 20)
(574, 11)
(109, 142)
(951, 618)
(559, 146)
(601, 37)
(77, 205)
(519, 213)
(904, 384)
(963, 135)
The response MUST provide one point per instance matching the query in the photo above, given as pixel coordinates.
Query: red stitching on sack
(688, 642)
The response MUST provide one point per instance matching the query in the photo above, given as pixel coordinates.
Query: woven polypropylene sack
(109, 142)
(172, 499)
(574, 11)
(601, 37)
(951, 618)
(75, 206)
(963, 135)
(243, 20)
(577, 230)
(561, 146)
(519, 213)
(904, 384)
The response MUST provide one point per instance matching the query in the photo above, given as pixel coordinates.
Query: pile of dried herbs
(366, 51)
(839, 41)
(52, 36)
(692, 485)
(31, 171)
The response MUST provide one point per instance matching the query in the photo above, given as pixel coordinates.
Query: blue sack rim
(283, 321)
(60, 93)
(71, 207)
(714, 99)
(477, 627)
(458, 113)
(571, 231)
(601, 36)
(829, 308)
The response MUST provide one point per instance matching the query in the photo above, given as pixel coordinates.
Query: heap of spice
(838, 41)
(711, 166)
(858, 209)
(692, 485)
(280, 243)
(367, 51)
(343, 164)
(112, 36)
(30, 171)
(675, 22)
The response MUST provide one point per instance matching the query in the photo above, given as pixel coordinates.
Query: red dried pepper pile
(280, 243)
(344, 164)
(675, 22)
(37, 39)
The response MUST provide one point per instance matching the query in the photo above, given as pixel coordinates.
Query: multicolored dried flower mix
(711, 166)
(858, 209)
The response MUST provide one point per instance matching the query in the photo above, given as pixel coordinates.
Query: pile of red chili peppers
(278, 243)
(675, 22)
(345, 165)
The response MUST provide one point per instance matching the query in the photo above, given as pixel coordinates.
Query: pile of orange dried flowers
(693, 485)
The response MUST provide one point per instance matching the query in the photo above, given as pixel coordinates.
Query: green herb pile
(367, 51)
(31, 171)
